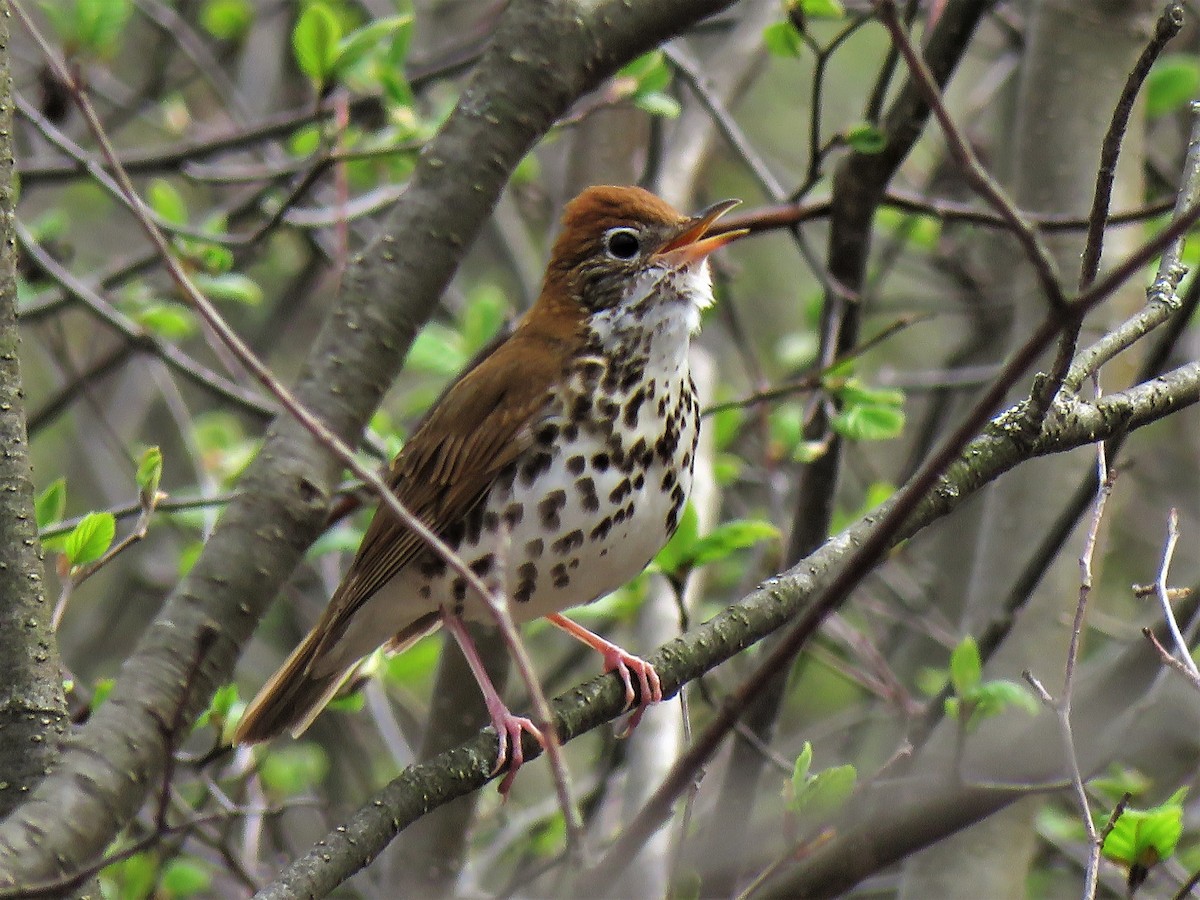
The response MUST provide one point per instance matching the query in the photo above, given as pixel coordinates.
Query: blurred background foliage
(264, 134)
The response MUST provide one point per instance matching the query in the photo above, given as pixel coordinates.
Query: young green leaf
(168, 204)
(91, 538)
(866, 138)
(869, 422)
(227, 20)
(728, 537)
(823, 9)
(293, 768)
(185, 876)
(801, 769)
(358, 44)
(826, 792)
(230, 287)
(966, 669)
(1144, 837)
(149, 472)
(1174, 80)
(51, 504)
(168, 320)
(315, 41)
(782, 39)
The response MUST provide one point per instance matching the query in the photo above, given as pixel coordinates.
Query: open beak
(693, 243)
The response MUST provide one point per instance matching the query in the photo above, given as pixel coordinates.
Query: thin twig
(1169, 24)
(1160, 584)
(974, 172)
(1162, 300)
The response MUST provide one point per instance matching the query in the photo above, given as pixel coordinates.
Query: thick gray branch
(32, 710)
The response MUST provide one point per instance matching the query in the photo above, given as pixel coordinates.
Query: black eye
(623, 243)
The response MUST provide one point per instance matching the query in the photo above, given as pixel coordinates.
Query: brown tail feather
(294, 695)
(292, 698)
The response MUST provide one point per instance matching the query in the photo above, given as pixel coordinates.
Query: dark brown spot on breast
(527, 574)
(576, 465)
(547, 433)
(538, 463)
(559, 575)
(632, 406)
(617, 494)
(550, 507)
(600, 462)
(603, 527)
(568, 542)
(587, 494)
(533, 549)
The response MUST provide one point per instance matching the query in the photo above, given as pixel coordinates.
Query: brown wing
(480, 426)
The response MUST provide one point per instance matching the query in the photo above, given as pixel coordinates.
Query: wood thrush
(555, 468)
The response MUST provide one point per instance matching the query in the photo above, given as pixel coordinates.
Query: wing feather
(483, 423)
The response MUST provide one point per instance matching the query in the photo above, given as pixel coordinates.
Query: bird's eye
(622, 243)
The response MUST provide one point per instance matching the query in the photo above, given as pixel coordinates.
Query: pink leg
(508, 727)
(622, 662)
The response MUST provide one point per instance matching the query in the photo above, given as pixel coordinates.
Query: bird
(555, 468)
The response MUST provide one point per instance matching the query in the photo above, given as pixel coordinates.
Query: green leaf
(437, 350)
(1174, 80)
(994, 697)
(293, 768)
(853, 392)
(227, 20)
(223, 702)
(51, 504)
(348, 703)
(356, 46)
(149, 472)
(782, 39)
(866, 138)
(869, 422)
(101, 691)
(649, 72)
(92, 26)
(826, 792)
(672, 557)
(315, 41)
(415, 665)
(728, 537)
(133, 877)
(167, 202)
(230, 287)
(1145, 837)
(656, 103)
(966, 669)
(801, 769)
(823, 9)
(185, 876)
(487, 308)
(169, 320)
(91, 538)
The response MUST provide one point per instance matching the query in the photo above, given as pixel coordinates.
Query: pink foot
(508, 730)
(621, 662)
(625, 664)
(508, 727)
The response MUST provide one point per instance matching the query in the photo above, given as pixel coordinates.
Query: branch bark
(33, 714)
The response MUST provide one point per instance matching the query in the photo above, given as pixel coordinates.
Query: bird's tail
(306, 682)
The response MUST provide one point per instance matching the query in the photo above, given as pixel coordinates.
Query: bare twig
(977, 176)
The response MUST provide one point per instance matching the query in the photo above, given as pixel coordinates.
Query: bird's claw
(650, 686)
(508, 732)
